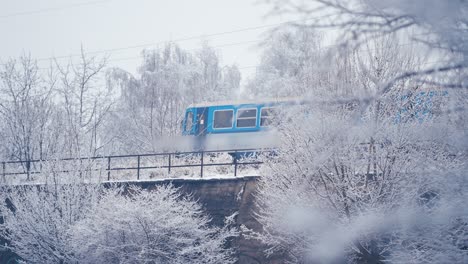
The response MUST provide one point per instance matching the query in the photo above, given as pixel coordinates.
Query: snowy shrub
(157, 226)
(82, 222)
(37, 219)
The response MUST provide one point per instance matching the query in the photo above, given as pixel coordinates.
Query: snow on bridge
(152, 166)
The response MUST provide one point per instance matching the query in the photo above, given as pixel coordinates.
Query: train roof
(241, 102)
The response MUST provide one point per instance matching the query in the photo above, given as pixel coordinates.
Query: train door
(188, 124)
(202, 121)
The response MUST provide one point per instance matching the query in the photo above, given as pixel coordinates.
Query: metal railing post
(108, 167)
(28, 169)
(169, 167)
(235, 163)
(201, 165)
(81, 168)
(4, 171)
(138, 167)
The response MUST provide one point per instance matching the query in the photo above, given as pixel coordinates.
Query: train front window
(189, 122)
(267, 115)
(223, 118)
(247, 117)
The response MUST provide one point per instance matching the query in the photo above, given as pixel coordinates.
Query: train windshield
(189, 121)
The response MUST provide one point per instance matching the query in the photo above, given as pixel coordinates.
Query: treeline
(86, 108)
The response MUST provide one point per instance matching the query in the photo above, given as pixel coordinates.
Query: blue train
(234, 124)
(250, 124)
(419, 106)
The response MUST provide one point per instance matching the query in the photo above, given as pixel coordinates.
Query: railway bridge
(231, 192)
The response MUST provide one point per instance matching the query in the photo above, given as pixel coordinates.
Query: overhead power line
(143, 45)
(201, 36)
(45, 10)
(253, 41)
(110, 50)
(215, 47)
(105, 51)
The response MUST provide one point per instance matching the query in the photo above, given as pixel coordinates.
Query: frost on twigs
(373, 169)
(436, 29)
(37, 219)
(157, 226)
(366, 191)
(75, 220)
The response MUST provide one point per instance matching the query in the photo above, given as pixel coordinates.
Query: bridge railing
(134, 163)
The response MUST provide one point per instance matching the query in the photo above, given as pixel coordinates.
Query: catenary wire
(45, 10)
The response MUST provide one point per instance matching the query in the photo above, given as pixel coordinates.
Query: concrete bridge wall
(221, 198)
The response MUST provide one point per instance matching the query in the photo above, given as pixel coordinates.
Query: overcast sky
(47, 28)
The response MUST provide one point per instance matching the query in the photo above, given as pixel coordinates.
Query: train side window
(247, 117)
(189, 122)
(223, 118)
(267, 114)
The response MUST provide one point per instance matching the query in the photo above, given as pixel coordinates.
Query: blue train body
(216, 119)
(419, 106)
(232, 124)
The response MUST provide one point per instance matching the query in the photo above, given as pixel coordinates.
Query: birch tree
(27, 112)
(85, 103)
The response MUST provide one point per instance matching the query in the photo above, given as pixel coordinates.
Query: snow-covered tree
(372, 170)
(291, 64)
(151, 105)
(438, 27)
(294, 63)
(365, 192)
(54, 113)
(85, 104)
(27, 114)
(149, 226)
(72, 218)
(230, 83)
(37, 218)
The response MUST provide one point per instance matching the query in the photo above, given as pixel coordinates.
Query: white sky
(46, 28)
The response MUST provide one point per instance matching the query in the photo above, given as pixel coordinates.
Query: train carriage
(234, 124)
